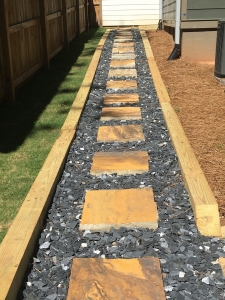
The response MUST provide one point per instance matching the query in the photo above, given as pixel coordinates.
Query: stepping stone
(116, 279)
(118, 56)
(122, 163)
(122, 37)
(128, 208)
(122, 73)
(123, 50)
(122, 85)
(126, 63)
(117, 45)
(123, 40)
(121, 113)
(122, 133)
(120, 98)
(124, 32)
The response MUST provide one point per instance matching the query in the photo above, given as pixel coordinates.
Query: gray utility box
(220, 50)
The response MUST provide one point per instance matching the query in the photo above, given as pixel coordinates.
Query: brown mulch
(199, 101)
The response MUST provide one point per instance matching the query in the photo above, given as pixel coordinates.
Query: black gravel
(188, 260)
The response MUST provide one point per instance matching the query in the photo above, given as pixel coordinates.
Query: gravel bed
(188, 260)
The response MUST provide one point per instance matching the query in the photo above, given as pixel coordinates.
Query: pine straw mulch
(199, 101)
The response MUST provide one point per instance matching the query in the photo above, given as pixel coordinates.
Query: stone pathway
(120, 225)
(136, 278)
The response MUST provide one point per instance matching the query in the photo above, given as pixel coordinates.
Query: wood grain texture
(203, 202)
(81, 98)
(121, 113)
(116, 279)
(120, 98)
(223, 231)
(128, 208)
(18, 244)
(122, 85)
(122, 133)
(157, 79)
(122, 73)
(130, 162)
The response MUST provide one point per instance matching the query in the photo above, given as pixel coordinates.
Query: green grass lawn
(29, 128)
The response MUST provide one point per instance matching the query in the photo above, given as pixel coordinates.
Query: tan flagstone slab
(118, 56)
(121, 37)
(123, 50)
(120, 98)
(128, 208)
(122, 73)
(121, 133)
(117, 45)
(122, 84)
(121, 113)
(123, 40)
(124, 32)
(116, 279)
(122, 163)
(126, 63)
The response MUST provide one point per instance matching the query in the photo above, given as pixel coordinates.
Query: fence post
(78, 16)
(86, 14)
(44, 35)
(65, 25)
(4, 23)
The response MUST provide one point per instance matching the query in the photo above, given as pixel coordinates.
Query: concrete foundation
(197, 44)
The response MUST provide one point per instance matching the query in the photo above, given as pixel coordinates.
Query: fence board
(36, 31)
(2, 75)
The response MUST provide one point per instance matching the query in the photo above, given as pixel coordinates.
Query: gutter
(176, 50)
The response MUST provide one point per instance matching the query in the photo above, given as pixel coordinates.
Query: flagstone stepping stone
(126, 63)
(128, 32)
(122, 73)
(118, 56)
(123, 50)
(121, 133)
(123, 40)
(116, 279)
(128, 208)
(124, 36)
(121, 113)
(117, 45)
(122, 163)
(122, 85)
(120, 98)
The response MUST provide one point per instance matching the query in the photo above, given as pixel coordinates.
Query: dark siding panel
(205, 4)
(206, 14)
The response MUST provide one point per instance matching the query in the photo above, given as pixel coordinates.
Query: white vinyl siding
(130, 12)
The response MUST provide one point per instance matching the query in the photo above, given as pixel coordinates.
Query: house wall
(205, 9)
(199, 45)
(169, 9)
(199, 19)
(129, 13)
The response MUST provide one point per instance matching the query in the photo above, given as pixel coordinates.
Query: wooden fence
(32, 32)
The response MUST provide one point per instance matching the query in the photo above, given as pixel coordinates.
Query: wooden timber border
(18, 244)
(203, 202)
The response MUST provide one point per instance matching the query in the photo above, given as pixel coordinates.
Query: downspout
(176, 50)
(160, 15)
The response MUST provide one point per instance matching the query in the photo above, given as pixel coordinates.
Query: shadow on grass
(17, 120)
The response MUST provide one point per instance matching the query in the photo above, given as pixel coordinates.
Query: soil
(199, 101)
